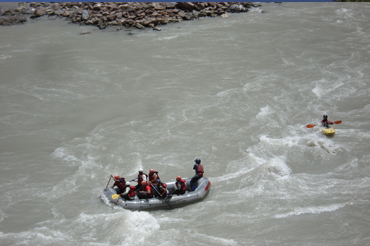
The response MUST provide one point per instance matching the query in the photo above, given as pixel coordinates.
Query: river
(235, 92)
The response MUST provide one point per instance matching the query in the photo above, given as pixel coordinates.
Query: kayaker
(180, 186)
(199, 170)
(325, 122)
(120, 183)
(129, 193)
(140, 177)
(146, 191)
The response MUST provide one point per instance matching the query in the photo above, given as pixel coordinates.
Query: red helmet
(116, 177)
(178, 178)
(151, 170)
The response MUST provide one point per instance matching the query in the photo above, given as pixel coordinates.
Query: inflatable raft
(328, 131)
(169, 202)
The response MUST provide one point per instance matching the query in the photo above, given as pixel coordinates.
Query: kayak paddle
(312, 125)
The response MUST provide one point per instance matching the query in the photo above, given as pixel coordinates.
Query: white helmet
(141, 170)
(128, 183)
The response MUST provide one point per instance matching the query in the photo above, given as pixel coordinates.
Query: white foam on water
(324, 87)
(4, 57)
(311, 210)
(38, 236)
(277, 166)
(289, 141)
(63, 153)
(212, 240)
(264, 112)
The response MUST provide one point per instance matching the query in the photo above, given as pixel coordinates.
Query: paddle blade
(337, 122)
(310, 125)
(115, 196)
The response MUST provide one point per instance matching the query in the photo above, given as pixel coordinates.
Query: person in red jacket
(129, 193)
(199, 170)
(140, 178)
(146, 191)
(120, 183)
(153, 178)
(180, 186)
(325, 122)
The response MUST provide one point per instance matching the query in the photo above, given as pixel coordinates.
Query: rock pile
(129, 14)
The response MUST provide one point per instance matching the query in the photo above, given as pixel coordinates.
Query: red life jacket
(146, 188)
(183, 185)
(151, 177)
(132, 193)
(140, 178)
(120, 185)
(200, 169)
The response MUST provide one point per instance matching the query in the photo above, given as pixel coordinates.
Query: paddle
(312, 125)
(115, 196)
(160, 195)
(109, 180)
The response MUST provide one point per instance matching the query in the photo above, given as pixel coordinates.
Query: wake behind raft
(169, 202)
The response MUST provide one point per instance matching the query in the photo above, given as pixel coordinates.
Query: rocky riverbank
(140, 15)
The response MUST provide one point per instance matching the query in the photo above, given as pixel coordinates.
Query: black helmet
(325, 115)
(197, 161)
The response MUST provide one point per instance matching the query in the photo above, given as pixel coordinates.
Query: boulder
(139, 26)
(149, 21)
(2, 10)
(187, 5)
(66, 13)
(97, 7)
(236, 8)
(170, 5)
(157, 6)
(111, 17)
(113, 23)
(55, 6)
(40, 11)
(50, 11)
(118, 15)
(85, 14)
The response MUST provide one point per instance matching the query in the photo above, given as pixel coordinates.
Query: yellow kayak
(328, 131)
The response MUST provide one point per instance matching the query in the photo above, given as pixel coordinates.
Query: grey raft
(170, 202)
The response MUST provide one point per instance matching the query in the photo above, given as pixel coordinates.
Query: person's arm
(127, 190)
(164, 191)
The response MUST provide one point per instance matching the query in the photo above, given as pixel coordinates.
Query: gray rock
(2, 10)
(55, 6)
(85, 14)
(40, 11)
(139, 26)
(187, 5)
(97, 7)
(236, 8)
(49, 11)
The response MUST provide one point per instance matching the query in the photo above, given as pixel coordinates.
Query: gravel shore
(140, 15)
